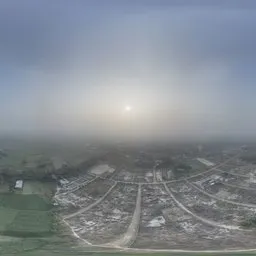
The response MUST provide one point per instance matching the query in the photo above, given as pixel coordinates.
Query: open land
(135, 201)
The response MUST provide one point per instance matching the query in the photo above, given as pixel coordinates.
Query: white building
(18, 184)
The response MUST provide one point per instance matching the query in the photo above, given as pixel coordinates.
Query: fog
(69, 68)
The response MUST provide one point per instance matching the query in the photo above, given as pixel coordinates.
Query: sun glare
(128, 108)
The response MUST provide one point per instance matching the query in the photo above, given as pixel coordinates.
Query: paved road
(214, 168)
(229, 252)
(234, 174)
(221, 199)
(209, 222)
(130, 235)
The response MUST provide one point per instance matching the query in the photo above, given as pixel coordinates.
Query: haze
(186, 69)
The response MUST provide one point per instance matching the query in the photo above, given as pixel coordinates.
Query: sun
(128, 108)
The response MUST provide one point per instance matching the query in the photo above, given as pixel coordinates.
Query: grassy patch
(24, 202)
(22, 158)
(7, 216)
(13, 159)
(25, 215)
(30, 223)
(26, 223)
(45, 189)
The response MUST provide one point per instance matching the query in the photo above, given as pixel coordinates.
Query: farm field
(27, 215)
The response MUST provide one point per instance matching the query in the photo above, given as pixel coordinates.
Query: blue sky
(187, 68)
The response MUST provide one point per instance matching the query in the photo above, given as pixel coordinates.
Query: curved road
(130, 235)
(91, 205)
(209, 222)
(221, 199)
(237, 186)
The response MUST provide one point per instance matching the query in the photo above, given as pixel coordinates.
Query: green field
(21, 158)
(23, 223)
(7, 216)
(45, 189)
(24, 202)
(30, 223)
(26, 215)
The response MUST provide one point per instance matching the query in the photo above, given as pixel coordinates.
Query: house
(19, 184)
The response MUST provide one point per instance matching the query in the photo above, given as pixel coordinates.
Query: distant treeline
(47, 172)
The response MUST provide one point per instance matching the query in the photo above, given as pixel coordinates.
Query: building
(19, 184)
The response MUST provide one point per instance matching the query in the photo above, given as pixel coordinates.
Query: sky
(186, 68)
